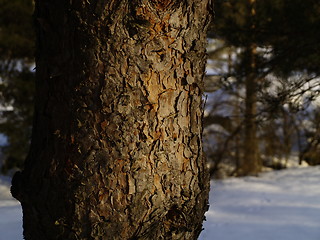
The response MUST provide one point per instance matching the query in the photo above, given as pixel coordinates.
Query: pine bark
(116, 151)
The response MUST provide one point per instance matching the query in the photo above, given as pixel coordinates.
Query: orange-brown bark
(117, 150)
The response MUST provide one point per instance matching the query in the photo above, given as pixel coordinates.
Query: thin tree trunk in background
(116, 150)
(287, 130)
(251, 162)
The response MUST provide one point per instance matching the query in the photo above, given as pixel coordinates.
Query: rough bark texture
(116, 150)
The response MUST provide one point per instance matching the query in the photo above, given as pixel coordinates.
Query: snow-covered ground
(10, 213)
(279, 205)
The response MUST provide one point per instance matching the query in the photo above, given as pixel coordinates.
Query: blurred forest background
(261, 87)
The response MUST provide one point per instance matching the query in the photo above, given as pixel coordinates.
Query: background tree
(116, 149)
(236, 17)
(279, 60)
(17, 80)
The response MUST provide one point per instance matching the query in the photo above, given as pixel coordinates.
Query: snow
(278, 205)
(10, 213)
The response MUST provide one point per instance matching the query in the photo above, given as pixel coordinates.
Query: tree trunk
(116, 150)
(251, 162)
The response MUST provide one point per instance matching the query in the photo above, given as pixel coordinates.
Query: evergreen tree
(275, 37)
(17, 79)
